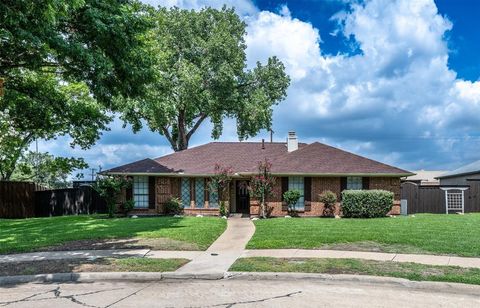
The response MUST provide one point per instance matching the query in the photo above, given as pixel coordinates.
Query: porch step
(239, 215)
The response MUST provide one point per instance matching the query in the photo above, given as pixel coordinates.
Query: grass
(99, 265)
(424, 233)
(411, 271)
(23, 235)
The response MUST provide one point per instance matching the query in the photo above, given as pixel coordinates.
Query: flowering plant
(261, 185)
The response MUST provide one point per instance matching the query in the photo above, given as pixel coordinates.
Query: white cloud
(396, 101)
(397, 88)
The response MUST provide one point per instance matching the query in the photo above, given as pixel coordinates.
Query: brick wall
(319, 184)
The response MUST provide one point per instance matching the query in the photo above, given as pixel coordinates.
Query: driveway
(236, 293)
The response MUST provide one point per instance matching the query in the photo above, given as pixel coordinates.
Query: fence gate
(432, 199)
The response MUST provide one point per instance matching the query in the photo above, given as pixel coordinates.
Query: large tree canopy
(63, 63)
(201, 74)
(47, 170)
(97, 42)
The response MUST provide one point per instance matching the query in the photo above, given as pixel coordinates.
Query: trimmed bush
(174, 207)
(328, 198)
(366, 203)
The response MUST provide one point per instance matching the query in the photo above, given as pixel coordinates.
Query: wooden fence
(431, 199)
(17, 199)
(25, 199)
(69, 201)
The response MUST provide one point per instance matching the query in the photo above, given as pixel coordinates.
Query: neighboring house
(462, 175)
(311, 168)
(424, 177)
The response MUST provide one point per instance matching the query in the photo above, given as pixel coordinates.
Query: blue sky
(394, 80)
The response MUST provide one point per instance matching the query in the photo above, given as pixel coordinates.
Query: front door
(243, 197)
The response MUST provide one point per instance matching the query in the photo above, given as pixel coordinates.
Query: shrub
(291, 198)
(328, 198)
(366, 203)
(110, 187)
(174, 207)
(128, 206)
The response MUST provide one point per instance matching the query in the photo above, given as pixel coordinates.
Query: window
(213, 202)
(199, 192)
(354, 182)
(140, 191)
(185, 193)
(296, 182)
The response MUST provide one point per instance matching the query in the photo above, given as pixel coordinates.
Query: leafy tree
(98, 42)
(47, 170)
(41, 107)
(291, 197)
(109, 187)
(62, 64)
(261, 185)
(201, 74)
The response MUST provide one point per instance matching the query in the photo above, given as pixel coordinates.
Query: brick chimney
(292, 142)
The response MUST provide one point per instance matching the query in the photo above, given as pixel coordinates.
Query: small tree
(328, 198)
(109, 187)
(291, 197)
(219, 184)
(261, 185)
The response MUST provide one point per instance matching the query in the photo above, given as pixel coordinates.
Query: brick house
(311, 168)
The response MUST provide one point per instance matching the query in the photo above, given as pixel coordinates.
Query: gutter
(237, 175)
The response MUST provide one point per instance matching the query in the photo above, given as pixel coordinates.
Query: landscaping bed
(98, 232)
(423, 233)
(411, 271)
(98, 265)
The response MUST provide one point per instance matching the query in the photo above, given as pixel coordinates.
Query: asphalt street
(235, 293)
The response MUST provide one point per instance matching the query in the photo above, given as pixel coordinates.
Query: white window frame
(140, 191)
(298, 183)
(354, 183)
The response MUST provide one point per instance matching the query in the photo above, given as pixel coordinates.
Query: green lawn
(424, 233)
(411, 271)
(97, 265)
(22, 235)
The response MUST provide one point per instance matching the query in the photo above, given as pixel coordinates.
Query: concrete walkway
(218, 258)
(95, 254)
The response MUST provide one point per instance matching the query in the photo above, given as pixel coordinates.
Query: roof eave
(240, 174)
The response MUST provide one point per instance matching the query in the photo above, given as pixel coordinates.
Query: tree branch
(203, 116)
(167, 134)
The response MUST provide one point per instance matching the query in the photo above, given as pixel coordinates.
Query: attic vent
(292, 142)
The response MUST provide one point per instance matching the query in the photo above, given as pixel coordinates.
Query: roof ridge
(344, 151)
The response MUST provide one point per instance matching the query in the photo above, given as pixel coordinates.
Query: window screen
(199, 192)
(140, 191)
(354, 182)
(185, 193)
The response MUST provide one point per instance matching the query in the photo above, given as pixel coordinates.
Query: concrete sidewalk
(218, 258)
(94, 254)
(378, 256)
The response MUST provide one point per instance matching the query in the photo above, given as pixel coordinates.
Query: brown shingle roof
(243, 157)
(146, 165)
(324, 159)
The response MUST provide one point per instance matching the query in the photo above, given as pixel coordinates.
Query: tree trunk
(262, 207)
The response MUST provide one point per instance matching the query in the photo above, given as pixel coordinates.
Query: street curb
(158, 276)
(391, 281)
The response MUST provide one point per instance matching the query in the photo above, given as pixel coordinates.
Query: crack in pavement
(26, 299)
(131, 294)
(228, 305)
(57, 295)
